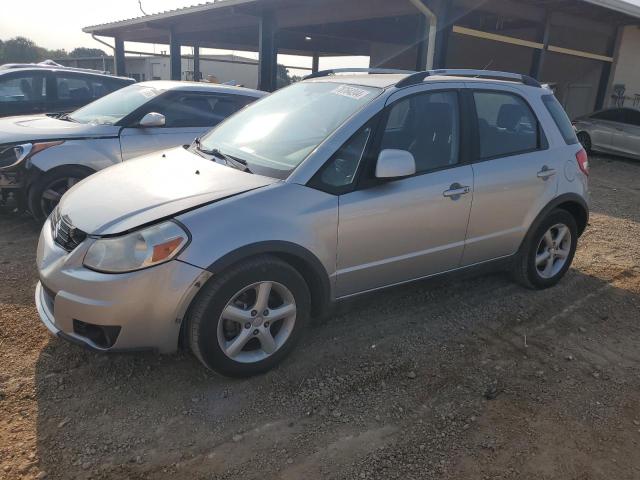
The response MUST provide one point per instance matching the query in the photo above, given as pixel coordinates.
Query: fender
(309, 266)
(93, 153)
(559, 200)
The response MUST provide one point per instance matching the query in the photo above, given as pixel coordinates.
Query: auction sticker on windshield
(350, 92)
(148, 92)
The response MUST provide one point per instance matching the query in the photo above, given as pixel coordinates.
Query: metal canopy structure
(399, 33)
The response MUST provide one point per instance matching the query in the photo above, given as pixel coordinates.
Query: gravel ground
(471, 379)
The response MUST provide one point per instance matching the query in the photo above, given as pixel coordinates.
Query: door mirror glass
(152, 119)
(395, 164)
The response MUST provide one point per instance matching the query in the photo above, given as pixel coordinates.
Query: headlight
(16, 154)
(135, 251)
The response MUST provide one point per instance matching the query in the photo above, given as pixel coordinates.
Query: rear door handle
(546, 173)
(456, 191)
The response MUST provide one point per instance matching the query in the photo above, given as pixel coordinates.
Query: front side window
(506, 125)
(23, 89)
(280, 131)
(339, 173)
(112, 108)
(561, 119)
(428, 126)
(613, 115)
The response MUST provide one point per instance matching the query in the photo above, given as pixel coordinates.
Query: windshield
(278, 132)
(112, 108)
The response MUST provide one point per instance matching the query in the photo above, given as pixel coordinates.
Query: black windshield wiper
(233, 162)
(66, 117)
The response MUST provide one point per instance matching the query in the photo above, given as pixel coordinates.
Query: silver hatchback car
(336, 186)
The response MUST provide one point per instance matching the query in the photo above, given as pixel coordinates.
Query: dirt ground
(467, 379)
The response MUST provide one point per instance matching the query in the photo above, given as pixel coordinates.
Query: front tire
(548, 251)
(249, 319)
(46, 191)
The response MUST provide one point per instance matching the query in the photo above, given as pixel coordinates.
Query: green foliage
(23, 50)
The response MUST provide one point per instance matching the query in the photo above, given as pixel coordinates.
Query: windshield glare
(112, 108)
(280, 131)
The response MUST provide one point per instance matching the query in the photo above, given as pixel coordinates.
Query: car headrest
(510, 115)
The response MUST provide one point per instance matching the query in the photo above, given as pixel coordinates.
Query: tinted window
(21, 91)
(341, 170)
(632, 117)
(506, 124)
(197, 110)
(428, 126)
(561, 119)
(614, 115)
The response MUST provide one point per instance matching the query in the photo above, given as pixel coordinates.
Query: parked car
(50, 88)
(327, 189)
(615, 131)
(41, 156)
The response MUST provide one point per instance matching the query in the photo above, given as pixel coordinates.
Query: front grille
(64, 233)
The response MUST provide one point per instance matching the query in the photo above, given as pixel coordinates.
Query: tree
(20, 50)
(83, 52)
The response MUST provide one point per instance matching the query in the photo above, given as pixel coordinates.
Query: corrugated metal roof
(628, 7)
(167, 14)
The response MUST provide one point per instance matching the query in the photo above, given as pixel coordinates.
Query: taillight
(583, 161)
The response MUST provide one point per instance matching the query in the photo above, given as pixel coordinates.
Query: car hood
(149, 188)
(41, 127)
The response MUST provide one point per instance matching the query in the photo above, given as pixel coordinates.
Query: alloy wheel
(553, 251)
(54, 191)
(256, 322)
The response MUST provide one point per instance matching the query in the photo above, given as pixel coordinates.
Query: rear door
(187, 114)
(515, 174)
(22, 92)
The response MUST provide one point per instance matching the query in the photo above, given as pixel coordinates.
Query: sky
(57, 24)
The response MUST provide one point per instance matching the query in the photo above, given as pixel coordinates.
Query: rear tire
(547, 252)
(226, 331)
(46, 191)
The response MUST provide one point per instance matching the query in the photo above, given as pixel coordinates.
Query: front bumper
(145, 308)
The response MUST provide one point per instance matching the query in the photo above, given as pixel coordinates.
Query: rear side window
(562, 120)
(506, 125)
(632, 117)
(613, 115)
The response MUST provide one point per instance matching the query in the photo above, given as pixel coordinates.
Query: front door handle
(546, 173)
(456, 191)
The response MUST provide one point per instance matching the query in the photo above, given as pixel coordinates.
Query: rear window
(561, 119)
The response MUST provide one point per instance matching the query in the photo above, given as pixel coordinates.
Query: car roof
(35, 68)
(166, 85)
(385, 81)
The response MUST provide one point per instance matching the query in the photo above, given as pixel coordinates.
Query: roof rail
(515, 77)
(333, 71)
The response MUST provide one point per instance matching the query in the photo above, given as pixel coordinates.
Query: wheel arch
(570, 202)
(309, 266)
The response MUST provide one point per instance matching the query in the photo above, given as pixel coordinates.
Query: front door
(395, 231)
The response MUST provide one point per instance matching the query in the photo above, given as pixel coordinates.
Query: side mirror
(395, 164)
(152, 119)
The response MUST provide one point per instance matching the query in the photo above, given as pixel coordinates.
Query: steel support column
(605, 75)
(537, 62)
(175, 57)
(445, 28)
(422, 40)
(197, 76)
(315, 62)
(268, 62)
(118, 57)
